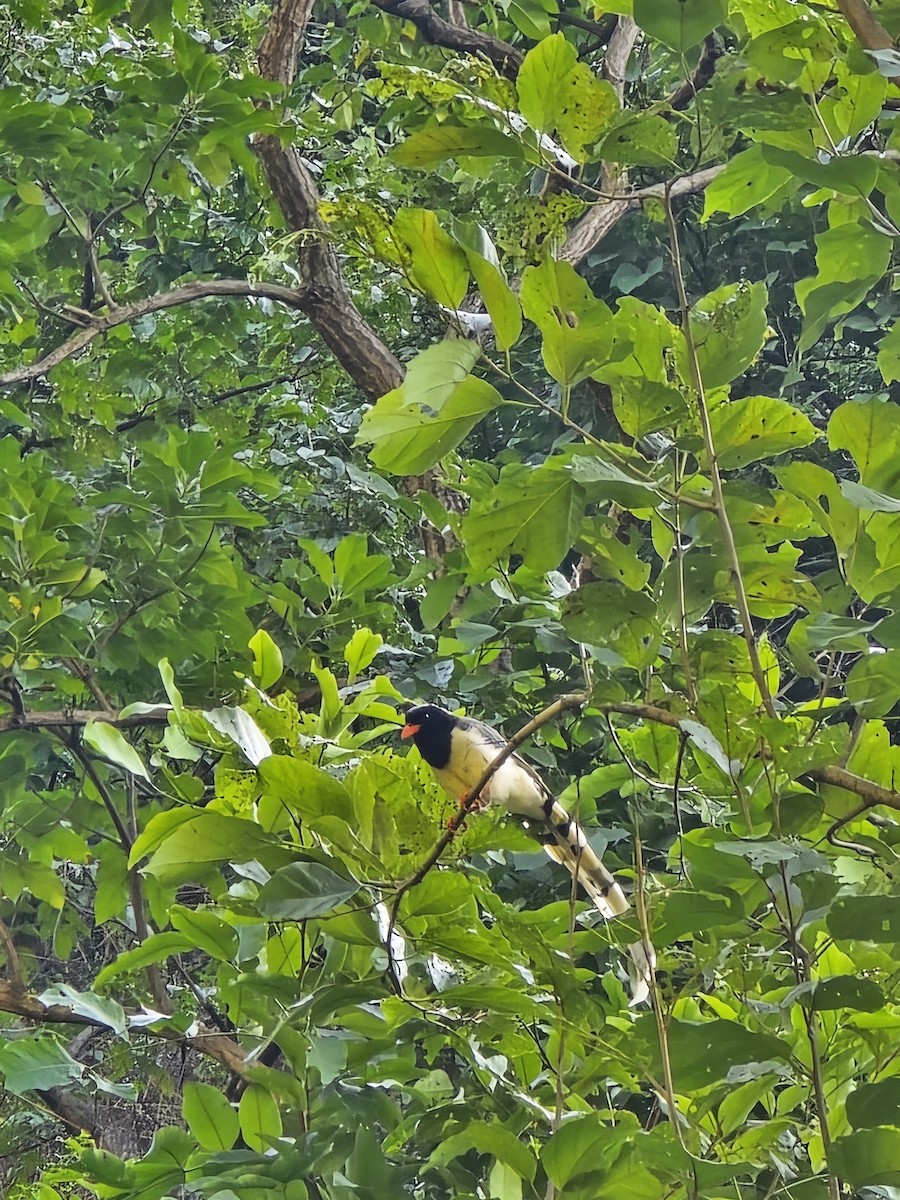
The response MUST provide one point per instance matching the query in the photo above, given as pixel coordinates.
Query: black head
(430, 728)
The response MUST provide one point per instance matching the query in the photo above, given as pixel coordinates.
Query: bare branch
(618, 53)
(435, 29)
(602, 218)
(72, 718)
(198, 289)
(326, 299)
(218, 1046)
(713, 49)
(718, 493)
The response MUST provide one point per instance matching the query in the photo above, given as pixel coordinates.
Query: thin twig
(718, 493)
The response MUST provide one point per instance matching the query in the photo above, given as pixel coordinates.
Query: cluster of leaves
(213, 602)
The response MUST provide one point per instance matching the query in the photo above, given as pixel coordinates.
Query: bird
(460, 749)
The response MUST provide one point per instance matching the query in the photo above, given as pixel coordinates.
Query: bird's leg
(465, 807)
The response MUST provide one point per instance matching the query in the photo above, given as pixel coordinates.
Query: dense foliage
(484, 352)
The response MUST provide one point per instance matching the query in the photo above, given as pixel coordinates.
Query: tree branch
(326, 299)
(435, 29)
(713, 49)
(600, 220)
(218, 1046)
(869, 31)
(198, 289)
(71, 718)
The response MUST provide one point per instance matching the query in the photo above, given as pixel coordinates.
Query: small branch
(618, 52)
(218, 1046)
(803, 975)
(16, 978)
(600, 220)
(718, 493)
(662, 1030)
(713, 49)
(185, 294)
(461, 38)
(72, 718)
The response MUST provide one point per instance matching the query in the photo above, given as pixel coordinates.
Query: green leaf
(542, 78)
(439, 266)
(154, 949)
(584, 1144)
(747, 180)
(875, 1104)
(436, 372)
(758, 427)
(436, 143)
(868, 499)
(682, 24)
(109, 741)
(360, 651)
(532, 511)
(867, 1158)
(259, 1116)
(268, 664)
(201, 840)
(501, 302)
(608, 615)
(846, 991)
(703, 1052)
(889, 354)
(487, 1137)
(873, 685)
(851, 258)
(209, 1116)
(869, 430)
(99, 1009)
(408, 439)
(36, 1064)
(302, 890)
(644, 140)
(729, 328)
(575, 326)
(207, 931)
(604, 479)
(556, 91)
(643, 406)
(865, 918)
(305, 789)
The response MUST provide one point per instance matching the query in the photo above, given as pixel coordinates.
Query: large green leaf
(758, 427)
(408, 438)
(438, 264)
(576, 328)
(682, 24)
(869, 430)
(867, 1158)
(728, 327)
(302, 890)
(209, 1116)
(436, 143)
(532, 511)
(851, 257)
(37, 1065)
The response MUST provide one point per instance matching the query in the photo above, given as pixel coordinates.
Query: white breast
(511, 786)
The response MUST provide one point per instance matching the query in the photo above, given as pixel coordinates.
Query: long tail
(568, 845)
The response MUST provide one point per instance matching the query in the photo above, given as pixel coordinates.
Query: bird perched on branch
(460, 749)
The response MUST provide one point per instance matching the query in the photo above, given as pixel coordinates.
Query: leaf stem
(718, 494)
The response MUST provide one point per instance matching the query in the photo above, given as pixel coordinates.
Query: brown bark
(454, 36)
